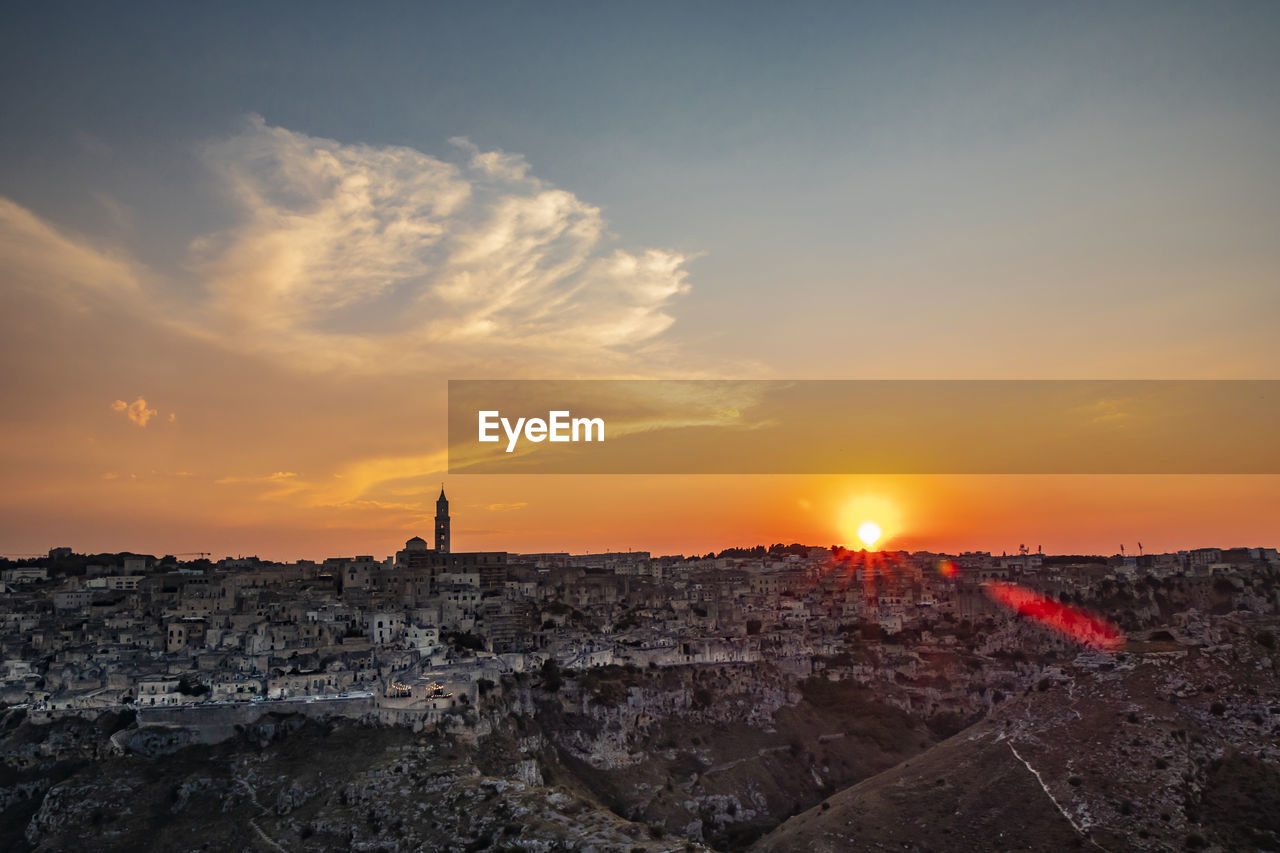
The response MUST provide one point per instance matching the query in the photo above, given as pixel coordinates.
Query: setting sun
(870, 519)
(869, 532)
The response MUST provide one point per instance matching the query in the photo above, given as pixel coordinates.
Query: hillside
(1164, 746)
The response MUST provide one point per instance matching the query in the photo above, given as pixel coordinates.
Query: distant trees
(759, 551)
(1074, 560)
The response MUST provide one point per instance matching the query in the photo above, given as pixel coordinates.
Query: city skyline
(881, 515)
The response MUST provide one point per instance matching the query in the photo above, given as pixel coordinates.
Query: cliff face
(615, 759)
(1163, 747)
(303, 785)
(1172, 743)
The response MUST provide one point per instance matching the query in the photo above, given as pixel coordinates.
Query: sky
(243, 250)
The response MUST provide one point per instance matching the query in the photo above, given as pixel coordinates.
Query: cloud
(136, 411)
(37, 257)
(507, 507)
(496, 164)
(277, 477)
(275, 486)
(360, 478)
(361, 483)
(382, 259)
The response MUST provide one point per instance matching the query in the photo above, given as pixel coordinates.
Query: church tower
(442, 523)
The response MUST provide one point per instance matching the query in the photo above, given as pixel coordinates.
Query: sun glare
(869, 532)
(870, 520)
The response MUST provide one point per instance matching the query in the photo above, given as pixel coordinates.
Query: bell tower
(442, 523)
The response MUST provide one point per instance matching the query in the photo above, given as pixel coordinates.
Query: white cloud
(381, 260)
(496, 164)
(384, 258)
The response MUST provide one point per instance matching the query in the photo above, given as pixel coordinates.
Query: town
(417, 636)
(526, 700)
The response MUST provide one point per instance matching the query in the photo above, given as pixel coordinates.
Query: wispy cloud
(506, 507)
(384, 258)
(276, 477)
(362, 478)
(381, 260)
(274, 486)
(37, 257)
(360, 484)
(496, 164)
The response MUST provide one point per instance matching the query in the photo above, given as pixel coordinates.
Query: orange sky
(263, 396)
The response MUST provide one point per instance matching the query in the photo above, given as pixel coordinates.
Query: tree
(552, 678)
(188, 688)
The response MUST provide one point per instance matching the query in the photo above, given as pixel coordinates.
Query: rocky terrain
(1170, 744)
(1165, 746)
(614, 759)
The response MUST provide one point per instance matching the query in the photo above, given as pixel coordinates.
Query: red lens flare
(1072, 622)
(875, 569)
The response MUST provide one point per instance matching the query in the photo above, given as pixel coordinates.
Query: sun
(869, 532)
(871, 520)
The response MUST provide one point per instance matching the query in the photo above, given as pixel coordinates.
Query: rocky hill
(1170, 744)
(1165, 746)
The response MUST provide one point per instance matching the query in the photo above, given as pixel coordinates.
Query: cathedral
(425, 566)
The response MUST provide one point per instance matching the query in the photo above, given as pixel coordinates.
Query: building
(416, 563)
(184, 634)
(385, 627)
(72, 599)
(442, 523)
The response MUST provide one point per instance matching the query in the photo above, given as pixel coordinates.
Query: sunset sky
(243, 250)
